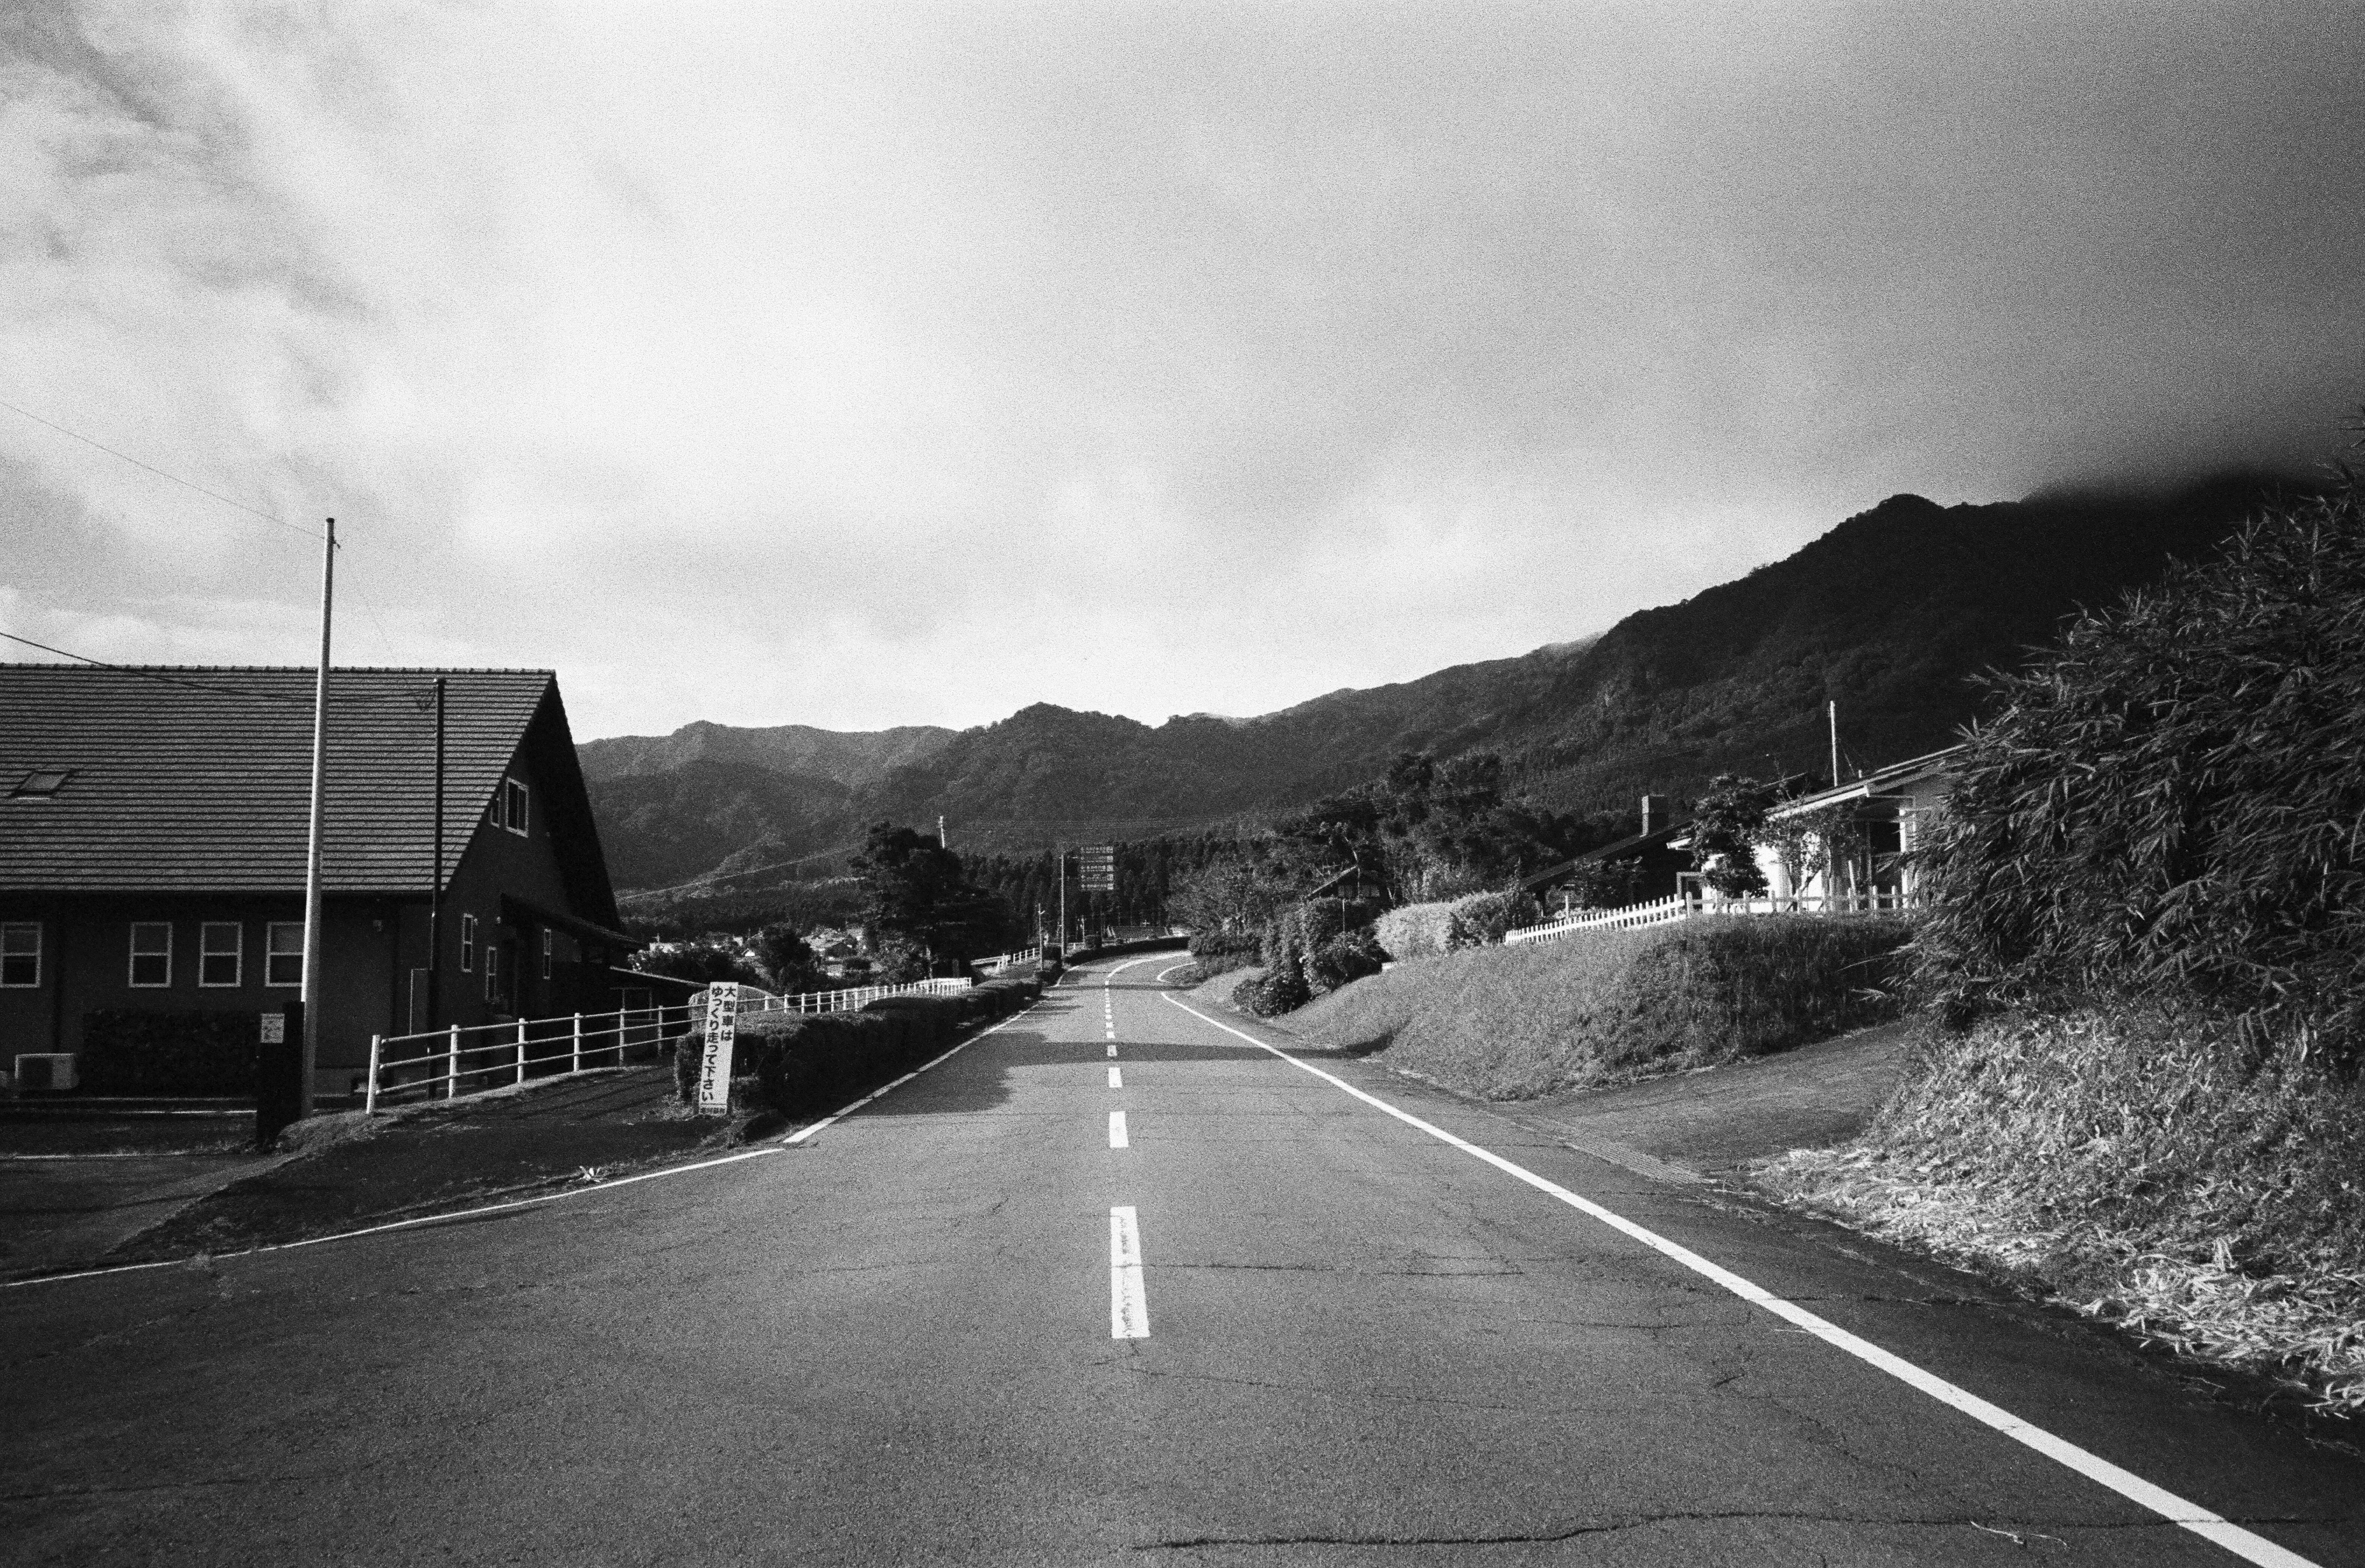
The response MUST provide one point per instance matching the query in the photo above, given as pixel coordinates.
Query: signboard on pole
(721, 1033)
(1096, 867)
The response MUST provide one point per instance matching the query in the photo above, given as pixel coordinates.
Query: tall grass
(1601, 1007)
(2141, 1163)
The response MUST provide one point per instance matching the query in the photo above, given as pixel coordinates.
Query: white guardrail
(498, 1055)
(1687, 906)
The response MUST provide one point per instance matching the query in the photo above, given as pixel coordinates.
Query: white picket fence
(1005, 961)
(1687, 906)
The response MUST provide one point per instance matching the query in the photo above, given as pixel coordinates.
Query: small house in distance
(1870, 823)
(1651, 869)
(153, 827)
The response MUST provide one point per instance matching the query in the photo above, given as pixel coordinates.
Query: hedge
(805, 1063)
(126, 1051)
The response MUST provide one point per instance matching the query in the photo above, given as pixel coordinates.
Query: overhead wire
(160, 473)
(146, 672)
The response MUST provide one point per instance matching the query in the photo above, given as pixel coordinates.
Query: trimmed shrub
(125, 1051)
(1282, 989)
(1344, 959)
(1414, 930)
(1601, 1007)
(808, 1063)
(1480, 920)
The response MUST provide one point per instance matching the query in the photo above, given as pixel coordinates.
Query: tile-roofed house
(1657, 869)
(175, 799)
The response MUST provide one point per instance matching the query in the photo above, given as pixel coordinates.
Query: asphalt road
(1277, 1325)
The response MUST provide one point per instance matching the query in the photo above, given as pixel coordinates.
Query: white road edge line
(1117, 1079)
(2243, 1543)
(797, 1137)
(1117, 1138)
(1128, 1303)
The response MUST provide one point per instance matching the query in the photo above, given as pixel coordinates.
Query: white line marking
(798, 1137)
(1117, 1079)
(1111, 1047)
(1128, 1304)
(1116, 1131)
(2211, 1527)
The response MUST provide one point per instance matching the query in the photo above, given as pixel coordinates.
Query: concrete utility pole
(942, 842)
(311, 991)
(435, 879)
(1836, 744)
(1063, 903)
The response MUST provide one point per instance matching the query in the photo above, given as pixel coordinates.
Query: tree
(913, 888)
(1725, 824)
(1808, 844)
(786, 959)
(702, 961)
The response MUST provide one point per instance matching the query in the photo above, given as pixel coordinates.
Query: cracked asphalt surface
(892, 1344)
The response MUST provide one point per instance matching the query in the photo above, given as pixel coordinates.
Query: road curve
(1113, 1283)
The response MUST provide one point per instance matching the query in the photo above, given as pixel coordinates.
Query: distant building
(1656, 868)
(152, 846)
(1887, 813)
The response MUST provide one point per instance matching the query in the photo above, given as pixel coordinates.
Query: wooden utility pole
(311, 991)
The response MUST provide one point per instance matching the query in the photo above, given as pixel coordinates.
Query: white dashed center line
(1128, 1305)
(1116, 1131)
(1117, 1079)
(1111, 1047)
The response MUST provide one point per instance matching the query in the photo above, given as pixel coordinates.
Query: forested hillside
(1889, 614)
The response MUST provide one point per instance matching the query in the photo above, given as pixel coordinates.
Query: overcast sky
(906, 364)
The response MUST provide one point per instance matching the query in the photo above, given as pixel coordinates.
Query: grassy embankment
(1607, 1007)
(2130, 1164)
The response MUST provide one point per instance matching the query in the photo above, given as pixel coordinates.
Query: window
(151, 953)
(20, 955)
(282, 959)
(546, 955)
(511, 813)
(492, 973)
(493, 811)
(221, 952)
(467, 943)
(40, 784)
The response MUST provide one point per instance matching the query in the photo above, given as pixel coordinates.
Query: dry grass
(2139, 1168)
(1604, 1007)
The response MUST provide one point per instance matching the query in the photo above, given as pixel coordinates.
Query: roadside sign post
(722, 1033)
(1096, 870)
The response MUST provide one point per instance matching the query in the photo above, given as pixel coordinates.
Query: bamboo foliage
(2172, 799)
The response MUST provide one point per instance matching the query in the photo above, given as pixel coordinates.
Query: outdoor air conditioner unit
(46, 1069)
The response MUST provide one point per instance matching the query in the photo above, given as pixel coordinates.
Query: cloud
(868, 365)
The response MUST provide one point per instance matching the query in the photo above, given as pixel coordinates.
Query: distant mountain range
(1889, 614)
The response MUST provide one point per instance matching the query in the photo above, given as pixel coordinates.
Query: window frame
(548, 942)
(492, 972)
(131, 976)
(467, 944)
(270, 931)
(513, 813)
(13, 928)
(236, 954)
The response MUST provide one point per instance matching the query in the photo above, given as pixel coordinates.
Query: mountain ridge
(1889, 614)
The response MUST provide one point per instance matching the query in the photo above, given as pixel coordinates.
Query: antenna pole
(311, 991)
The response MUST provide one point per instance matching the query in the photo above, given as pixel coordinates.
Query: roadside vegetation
(2143, 975)
(1596, 1008)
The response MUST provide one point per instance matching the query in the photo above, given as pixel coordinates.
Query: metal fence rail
(849, 1000)
(498, 1054)
(1687, 906)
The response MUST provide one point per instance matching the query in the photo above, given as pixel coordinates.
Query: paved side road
(1115, 1283)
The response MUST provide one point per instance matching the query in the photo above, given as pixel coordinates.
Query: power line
(161, 474)
(713, 876)
(143, 672)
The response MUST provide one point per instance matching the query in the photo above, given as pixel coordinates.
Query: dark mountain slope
(854, 759)
(663, 828)
(1889, 614)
